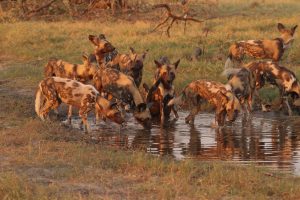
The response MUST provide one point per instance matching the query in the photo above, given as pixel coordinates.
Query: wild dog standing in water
(122, 87)
(162, 91)
(55, 90)
(262, 49)
(215, 93)
(130, 64)
(81, 72)
(279, 76)
(242, 84)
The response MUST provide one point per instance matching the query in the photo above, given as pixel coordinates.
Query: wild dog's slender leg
(281, 92)
(220, 116)
(175, 111)
(86, 107)
(249, 102)
(191, 117)
(162, 114)
(256, 95)
(286, 101)
(70, 115)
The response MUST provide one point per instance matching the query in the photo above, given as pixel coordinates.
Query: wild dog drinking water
(200, 91)
(163, 90)
(122, 87)
(283, 78)
(53, 91)
(242, 83)
(262, 49)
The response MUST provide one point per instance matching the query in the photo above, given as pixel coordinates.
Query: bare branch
(32, 12)
(170, 15)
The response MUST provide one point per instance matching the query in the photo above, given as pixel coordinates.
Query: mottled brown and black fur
(273, 73)
(162, 90)
(81, 72)
(131, 64)
(104, 50)
(200, 91)
(122, 87)
(53, 91)
(242, 84)
(262, 49)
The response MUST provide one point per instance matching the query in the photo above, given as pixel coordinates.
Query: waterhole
(267, 139)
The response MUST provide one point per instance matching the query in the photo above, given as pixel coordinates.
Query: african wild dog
(82, 73)
(53, 91)
(262, 49)
(277, 75)
(131, 64)
(216, 94)
(104, 50)
(122, 87)
(242, 84)
(162, 91)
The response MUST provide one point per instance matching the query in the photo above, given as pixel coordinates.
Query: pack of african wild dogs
(108, 83)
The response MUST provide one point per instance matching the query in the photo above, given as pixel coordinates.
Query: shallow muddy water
(268, 139)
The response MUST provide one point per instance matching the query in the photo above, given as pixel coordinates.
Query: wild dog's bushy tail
(39, 99)
(178, 100)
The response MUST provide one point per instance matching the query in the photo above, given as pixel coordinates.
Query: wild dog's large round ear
(176, 63)
(158, 64)
(280, 27)
(293, 29)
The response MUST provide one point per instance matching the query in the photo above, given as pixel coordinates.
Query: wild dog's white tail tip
(38, 102)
